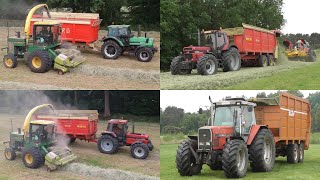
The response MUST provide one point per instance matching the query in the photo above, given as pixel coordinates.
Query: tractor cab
(46, 34)
(122, 32)
(119, 127)
(42, 132)
(215, 39)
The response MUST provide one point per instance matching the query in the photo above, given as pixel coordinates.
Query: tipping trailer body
(289, 120)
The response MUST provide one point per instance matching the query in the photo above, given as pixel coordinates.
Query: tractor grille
(205, 139)
(188, 57)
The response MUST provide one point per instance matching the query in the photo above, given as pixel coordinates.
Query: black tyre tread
(13, 154)
(175, 65)
(113, 140)
(201, 64)
(290, 153)
(139, 144)
(184, 158)
(271, 60)
(229, 159)
(13, 58)
(116, 45)
(46, 63)
(257, 153)
(216, 166)
(38, 160)
(260, 61)
(226, 56)
(148, 50)
(300, 160)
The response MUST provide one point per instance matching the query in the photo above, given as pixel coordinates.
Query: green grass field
(282, 170)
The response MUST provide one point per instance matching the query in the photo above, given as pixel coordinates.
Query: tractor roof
(117, 121)
(234, 102)
(46, 23)
(42, 122)
(119, 26)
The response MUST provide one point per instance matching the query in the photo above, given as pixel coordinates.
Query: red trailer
(76, 27)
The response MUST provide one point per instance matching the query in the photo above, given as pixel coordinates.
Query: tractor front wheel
(10, 61)
(232, 60)
(235, 159)
(108, 144)
(39, 61)
(175, 66)
(32, 158)
(185, 161)
(207, 65)
(139, 150)
(111, 50)
(10, 154)
(144, 54)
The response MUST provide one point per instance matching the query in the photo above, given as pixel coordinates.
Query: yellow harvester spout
(29, 17)
(26, 123)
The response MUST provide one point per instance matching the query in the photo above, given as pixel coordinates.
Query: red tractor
(117, 135)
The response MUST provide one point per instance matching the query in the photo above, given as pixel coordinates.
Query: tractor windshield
(206, 40)
(46, 35)
(225, 116)
(42, 133)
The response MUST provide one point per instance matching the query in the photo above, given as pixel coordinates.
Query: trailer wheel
(144, 54)
(185, 161)
(231, 60)
(10, 154)
(207, 65)
(292, 153)
(32, 158)
(139, 150)
(263, 61)
(262, 151)
(111, 50)
(10, 61)
(175, 66)
(271, 61)
(39, 61)
(235, 159)
(301, 153)
(108, 144)
(312, 56)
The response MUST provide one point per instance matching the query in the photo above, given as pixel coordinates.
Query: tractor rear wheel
(139, 150)
(292, 153)
(231, 60)
(175, 66)
(185, 161)
(39, 61)
(301, 153)
(10, 154)
(312, 56)
(111, 50)
(235, 159)
(207, 65)
(271, 61)
(144, 54)
(263, 61)
(108, 144)
(32, 158)
(10, 61)
(262, 151)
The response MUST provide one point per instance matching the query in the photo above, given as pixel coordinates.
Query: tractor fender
(113, 39)
(254, 130)
(108, 133)
(226, 47)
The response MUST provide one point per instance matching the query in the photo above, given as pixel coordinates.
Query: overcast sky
(301, 16)
(191, 100)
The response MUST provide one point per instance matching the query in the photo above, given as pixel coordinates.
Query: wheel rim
(267, 151)
(210, 66)
(36, 62)
(8, 154)
(107, 145)
(29, 158)
(110, 50)
(301, 153)
(139, 151)
(234, 62)
(241, 160)
(144, 55)
(8, 62)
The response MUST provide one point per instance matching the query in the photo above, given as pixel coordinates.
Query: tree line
(180, 20)
(174, 120)
(134, 12)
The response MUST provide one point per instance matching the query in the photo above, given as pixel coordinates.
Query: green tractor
(37, 144)
(40, 48)
(121, 39)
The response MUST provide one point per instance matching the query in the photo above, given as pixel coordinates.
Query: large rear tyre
(10, 154)
(263, 61)
(144, 54)
(139, 150)
(108, 144)
(32, 158)
(301, 153)
(185, 161)
(312, 56)
(10, 61)
(231, 60)
(175, 67)
(235, 159)
(292, 153)
(207, 65)
(262, 151)
(111, 50)
(39, 61)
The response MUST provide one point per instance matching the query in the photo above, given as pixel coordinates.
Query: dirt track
(95, 73)
(90, 162)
